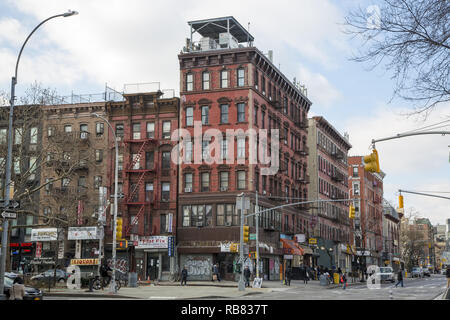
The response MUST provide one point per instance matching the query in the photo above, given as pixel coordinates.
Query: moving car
(30, 292)
(61, 275)
(386, 274)
(417, 272)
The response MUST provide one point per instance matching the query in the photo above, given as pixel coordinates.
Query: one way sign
(9, 215)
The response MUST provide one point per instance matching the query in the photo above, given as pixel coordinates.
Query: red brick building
(144, 123)
(228, 86)
(366, 190)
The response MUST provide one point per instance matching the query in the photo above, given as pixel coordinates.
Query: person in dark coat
(288, 276)
(247, 274)
(447, 274)
(304, 273)
(399, 278)
(216, 272)
(184, 275)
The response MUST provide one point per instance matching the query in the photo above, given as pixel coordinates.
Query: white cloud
(138, 41)
(418, 163)
(320, 90)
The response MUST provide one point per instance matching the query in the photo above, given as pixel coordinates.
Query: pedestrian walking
(216, 272)
(447, 274)
(247, 274)
(304, 272)
(17, 290)
(344, 281)
(288, 276)
(184, 275)
(399, 278)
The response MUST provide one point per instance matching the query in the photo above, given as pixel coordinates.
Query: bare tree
(411, 241)
(411, 37)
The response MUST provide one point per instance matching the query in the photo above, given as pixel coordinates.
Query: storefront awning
(291, 247)
(306, 250)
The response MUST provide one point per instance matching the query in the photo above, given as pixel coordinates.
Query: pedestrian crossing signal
(122, 244)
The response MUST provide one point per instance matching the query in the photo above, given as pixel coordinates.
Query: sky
(112, 42)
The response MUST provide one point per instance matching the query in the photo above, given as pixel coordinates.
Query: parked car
(30, 292)
(386, 274)
(426, 272)
(417, 272)
(61, 275)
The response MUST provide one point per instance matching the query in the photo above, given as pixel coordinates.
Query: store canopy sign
(49, 234)
(83, 233)
(84, 262)
(153, 242)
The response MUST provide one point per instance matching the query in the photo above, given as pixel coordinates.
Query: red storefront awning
(291, 247)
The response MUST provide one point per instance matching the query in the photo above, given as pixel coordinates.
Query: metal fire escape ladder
(139, 155)
(135, 220)
(136, 188)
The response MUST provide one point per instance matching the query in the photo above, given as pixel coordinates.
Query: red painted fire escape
(129, 175)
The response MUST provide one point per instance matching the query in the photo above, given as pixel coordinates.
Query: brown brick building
(227, 86)
(366, 190)
(328, 171)
(144, 123)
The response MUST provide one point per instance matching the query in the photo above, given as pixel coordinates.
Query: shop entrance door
(153, 267)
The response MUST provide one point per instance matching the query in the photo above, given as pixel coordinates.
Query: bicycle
(100, 283)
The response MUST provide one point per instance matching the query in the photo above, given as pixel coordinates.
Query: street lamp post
(9, 155)
(112, 287)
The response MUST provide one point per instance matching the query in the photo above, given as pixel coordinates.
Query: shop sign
(312, 240)
(38, 249)
(83, 233)
(84, 262)
(40, 261)
(48, 234)
(153, 242)
(300, 238)
(288, 257)
(171, 246)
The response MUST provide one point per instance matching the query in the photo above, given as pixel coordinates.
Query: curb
(63, 294)
(221, 297)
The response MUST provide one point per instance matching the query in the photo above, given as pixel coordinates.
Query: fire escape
(132, 196)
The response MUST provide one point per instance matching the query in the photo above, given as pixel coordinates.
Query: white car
(386, 274)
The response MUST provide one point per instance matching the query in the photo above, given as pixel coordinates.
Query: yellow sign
(234, 247)
(312, 241)
(84, 262)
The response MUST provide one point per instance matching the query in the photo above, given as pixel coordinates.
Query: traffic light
(400, 201)
(351, 212)
(246, 233)
(372, 163)
(122, 244)
(119, 228)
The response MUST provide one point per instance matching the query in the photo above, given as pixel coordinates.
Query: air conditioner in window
(83, 135)
(264, 192)
(200, 224)
(33, 147)
(223, 188)
(119, 138)
(187, 190)
(228, 224)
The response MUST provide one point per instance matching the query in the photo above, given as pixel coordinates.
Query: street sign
(9, 215)
(252, 236)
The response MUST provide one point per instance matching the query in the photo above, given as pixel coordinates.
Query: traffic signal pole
(404, 135)
(424, 194)
(241, 247)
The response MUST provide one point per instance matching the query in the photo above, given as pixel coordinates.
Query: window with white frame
(18, 136)
(241, 148)
(150, 130)
(240, 77)
(189, 82)
(224, 79)
(189, 116)
(166, 129)
(205, 80)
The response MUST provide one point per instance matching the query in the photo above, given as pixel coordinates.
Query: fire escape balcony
(277, 196)
(337, 176)
(337, 154)
(303, 152)
(302, 124)
(66, 192)
(305, 179)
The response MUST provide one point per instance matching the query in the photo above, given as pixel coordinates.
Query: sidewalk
(193, 290)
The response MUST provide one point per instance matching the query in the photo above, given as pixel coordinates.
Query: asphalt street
(414, 289)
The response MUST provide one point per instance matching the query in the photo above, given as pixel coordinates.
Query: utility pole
(257, 235)
(241, 246)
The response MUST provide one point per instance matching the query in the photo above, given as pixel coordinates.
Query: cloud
(320, 90)
(412, 163)
(118, 43)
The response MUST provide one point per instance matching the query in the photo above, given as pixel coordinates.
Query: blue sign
(171, 246)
